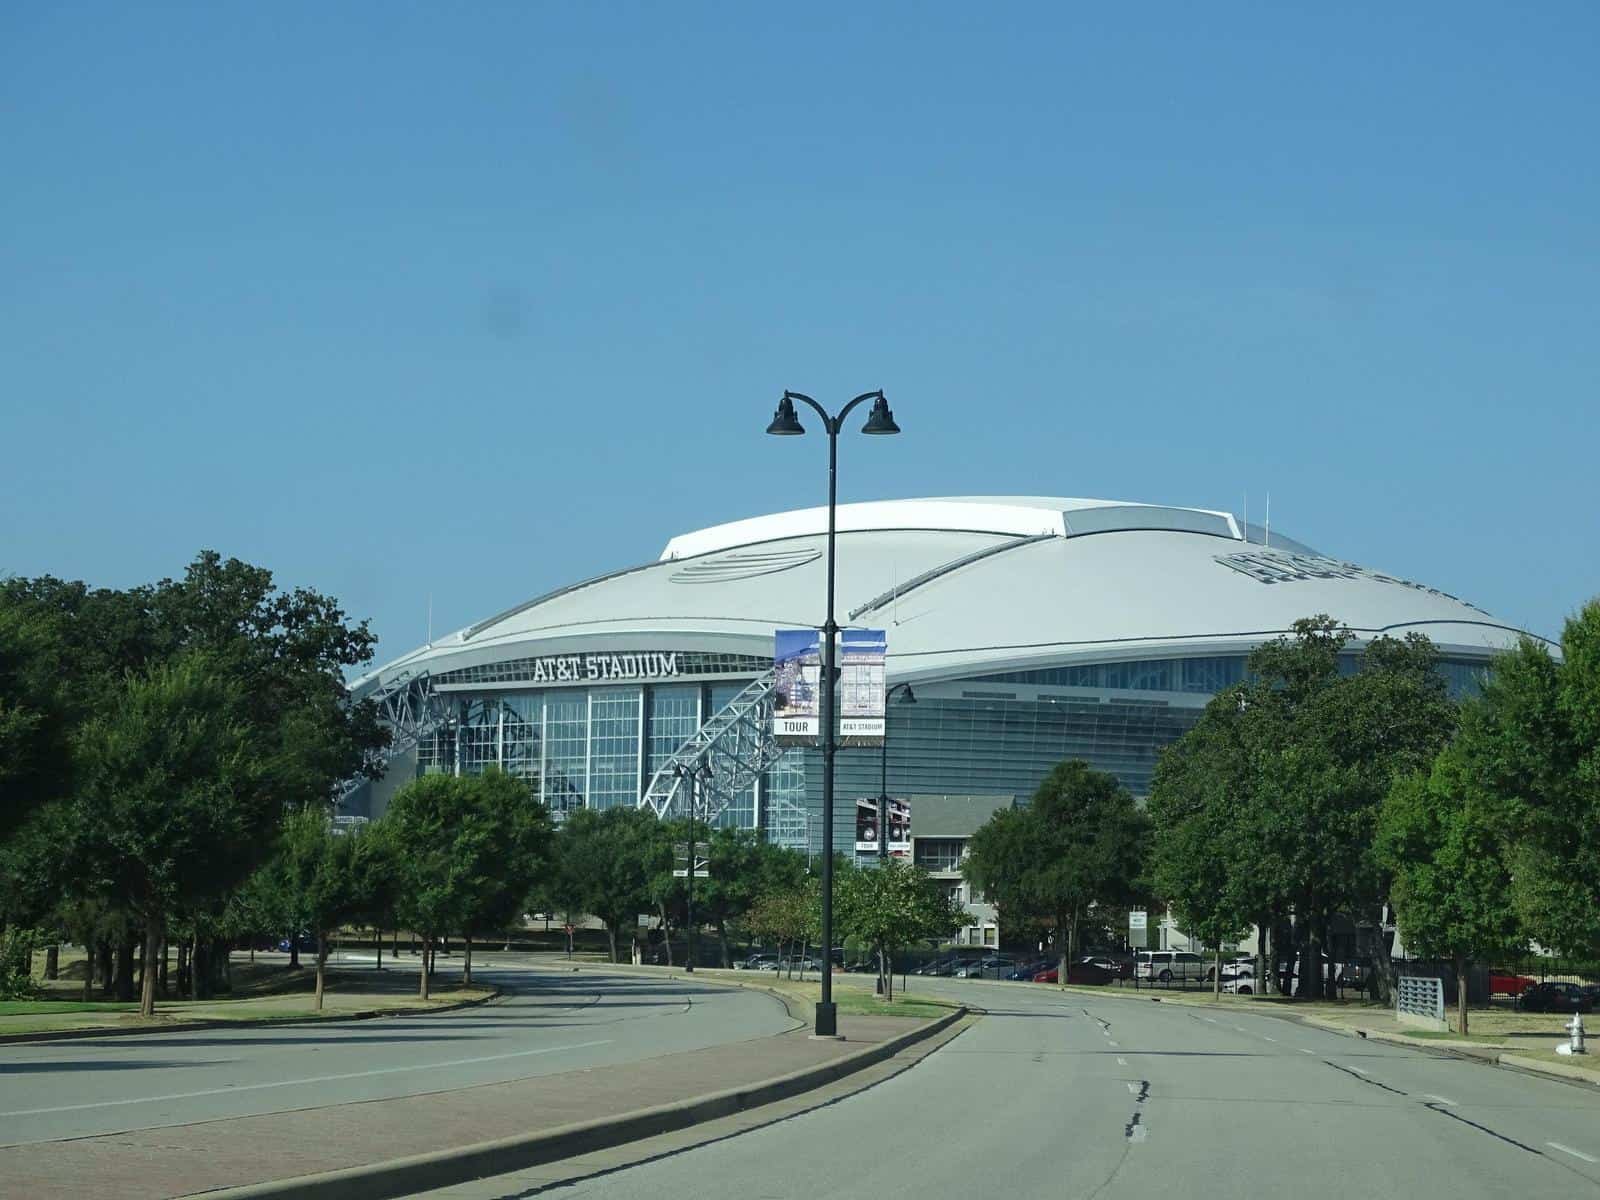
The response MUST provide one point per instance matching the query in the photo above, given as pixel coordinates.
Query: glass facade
(990, 735)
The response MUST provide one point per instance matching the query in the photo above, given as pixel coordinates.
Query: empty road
(554, 1020)
(1072, 1096)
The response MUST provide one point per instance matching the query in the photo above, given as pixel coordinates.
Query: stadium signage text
(1276, 566)
(583, 668)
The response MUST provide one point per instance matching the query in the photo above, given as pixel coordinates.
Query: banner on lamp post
(797, 698)
(861, 686)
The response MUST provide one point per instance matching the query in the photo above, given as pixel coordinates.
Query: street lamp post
(910, 697)
(786, 424)
(694, 776)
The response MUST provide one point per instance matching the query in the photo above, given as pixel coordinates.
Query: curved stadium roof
(969, 585)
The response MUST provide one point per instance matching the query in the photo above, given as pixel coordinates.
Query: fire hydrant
(1575, 1028)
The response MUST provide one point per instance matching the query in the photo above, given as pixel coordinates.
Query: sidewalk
(180, 1160)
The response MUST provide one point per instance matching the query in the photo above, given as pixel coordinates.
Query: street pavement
(554, 1021)
(1066, 1095)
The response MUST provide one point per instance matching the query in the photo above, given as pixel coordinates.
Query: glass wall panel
(522, 740)
(614, 747)
(674, 716)
(566, 750)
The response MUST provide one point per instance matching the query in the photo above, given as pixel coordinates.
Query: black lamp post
(910, 697)
(786, 424)
(694, 776)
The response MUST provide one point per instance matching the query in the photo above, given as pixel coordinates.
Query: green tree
(35, 726)
(1443, 842)
(891, 905)
(1077, 844)
(321, 877)
(511, 859)
(170, 812)
(607, 859)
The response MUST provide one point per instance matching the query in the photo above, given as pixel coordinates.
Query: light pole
(786, 424)
(910, 697)
(694, 775)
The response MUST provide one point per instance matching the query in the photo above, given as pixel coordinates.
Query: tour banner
(797, 662)
(861, 655)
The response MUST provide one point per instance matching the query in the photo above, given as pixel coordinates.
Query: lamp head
(910, 697)
(880, 420)
(784, 422)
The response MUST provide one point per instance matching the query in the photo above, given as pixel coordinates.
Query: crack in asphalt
(1365, 1079)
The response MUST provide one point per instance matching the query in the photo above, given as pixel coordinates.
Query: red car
(1509, 985)
(1086, 972)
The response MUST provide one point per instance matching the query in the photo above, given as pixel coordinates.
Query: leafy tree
(1269, 806)
(789, 916)
(1443, 840)
(1077, 844)
(321, 878)
(1530, 748)
(34, 723)
(170, 812)
(891, 905)
(607, 859)
(512, 858)
(742, 863)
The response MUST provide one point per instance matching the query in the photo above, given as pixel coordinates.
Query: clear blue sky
(477, 300)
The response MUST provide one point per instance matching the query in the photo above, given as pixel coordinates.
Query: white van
(1168, 966)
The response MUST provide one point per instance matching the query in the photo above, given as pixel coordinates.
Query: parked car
(758, 962)
(1165, 966)
(1026, 971)
(1085, 972)
(987, 968)
(1555, 998)
(1120, 965)
(1506, 984)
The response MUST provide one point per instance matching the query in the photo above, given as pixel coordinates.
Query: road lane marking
(1138, 1133)
(1118, 1045)
(1134, 1088)
(282, 1083)
(1121, 1062)
(1240, 1029)
(1588, 1158)
(1269, 1039)
(1303, 1050)
(1357, 1070)
(1440, 1099)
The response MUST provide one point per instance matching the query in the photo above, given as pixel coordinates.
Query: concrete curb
(1556, 1070)
(442, 1168)
(367, 1014)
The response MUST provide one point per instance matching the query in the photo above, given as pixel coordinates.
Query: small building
(941, 826)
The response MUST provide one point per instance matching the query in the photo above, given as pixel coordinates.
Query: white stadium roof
(966, 585)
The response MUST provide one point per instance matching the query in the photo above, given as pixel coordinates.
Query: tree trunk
(377, 938)
(1461, 995)
(611, 941)
(666, 932)
(184, 990)
(162, 981)
(1383, 974)
(124, 967)
(200, 968)
(88, 971)
(722, 936)
(322, 968)
(427, 951)
(294, 952)
(107, 978)
(154, 943)
(52, 962)
(1263, 961)
(1216, 975)
(466, 960)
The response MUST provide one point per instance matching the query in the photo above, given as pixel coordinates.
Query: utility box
(1419, 1001)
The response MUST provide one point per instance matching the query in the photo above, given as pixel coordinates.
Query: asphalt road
(554, 1021)
(1071, 1096)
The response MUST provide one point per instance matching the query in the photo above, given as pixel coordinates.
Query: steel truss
(722, 758)
(412, 710)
